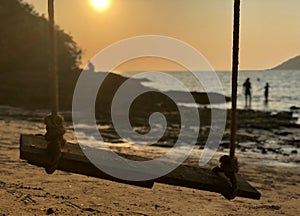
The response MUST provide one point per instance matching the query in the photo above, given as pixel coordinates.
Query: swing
(53, 153)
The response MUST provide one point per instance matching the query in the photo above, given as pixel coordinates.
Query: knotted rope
(229, 167)
(229, 164)
(54, 122)
(54, 135)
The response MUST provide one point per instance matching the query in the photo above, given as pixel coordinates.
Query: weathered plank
(33, 149)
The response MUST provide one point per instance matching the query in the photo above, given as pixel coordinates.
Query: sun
(100, 4)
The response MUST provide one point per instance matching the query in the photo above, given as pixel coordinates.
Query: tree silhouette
(24, 38)
(24, 54)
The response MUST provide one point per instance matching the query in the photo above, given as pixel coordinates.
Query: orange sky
(270, 29)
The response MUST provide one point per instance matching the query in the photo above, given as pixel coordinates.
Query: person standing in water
(247, 92)
(267, 92)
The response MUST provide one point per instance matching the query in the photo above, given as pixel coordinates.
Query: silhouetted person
(91, 67)
(247, 92)
(267, 92)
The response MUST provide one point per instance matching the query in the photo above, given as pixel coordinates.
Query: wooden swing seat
(33, 150)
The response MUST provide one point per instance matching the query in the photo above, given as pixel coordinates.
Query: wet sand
(28, 190)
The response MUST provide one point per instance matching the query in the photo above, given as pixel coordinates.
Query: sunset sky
(270, 29)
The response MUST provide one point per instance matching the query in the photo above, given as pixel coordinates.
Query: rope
(235, 67)
(54, 122)
(229, 164)
(54, 135)
(53, 59)
(229, 167)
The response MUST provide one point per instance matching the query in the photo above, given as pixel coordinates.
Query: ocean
(284, 91)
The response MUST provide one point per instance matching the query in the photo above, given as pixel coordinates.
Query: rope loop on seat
(54, 135)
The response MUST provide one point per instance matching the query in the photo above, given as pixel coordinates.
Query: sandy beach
(28, 190)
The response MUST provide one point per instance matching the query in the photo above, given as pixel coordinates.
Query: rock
(90, 210)
(50, 211)
(284, 133)
(264, 151)
(274, 150)
(294, 108)
(294, 152)
(284, 115)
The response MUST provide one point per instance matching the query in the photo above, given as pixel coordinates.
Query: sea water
(284, 91)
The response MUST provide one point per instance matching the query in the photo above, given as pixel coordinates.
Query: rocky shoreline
(258, 132)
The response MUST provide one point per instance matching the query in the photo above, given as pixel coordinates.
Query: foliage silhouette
(24, 55)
